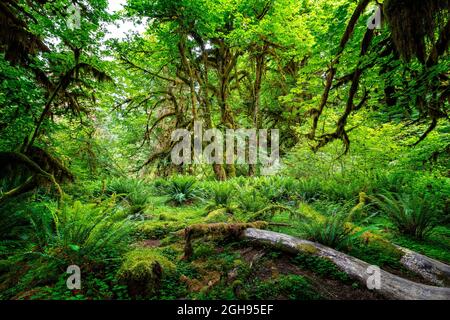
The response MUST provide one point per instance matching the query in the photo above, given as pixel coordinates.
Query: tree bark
(430, 269)
(259, 66)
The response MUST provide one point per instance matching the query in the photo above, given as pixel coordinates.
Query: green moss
(143, 270)
(160, 229)
(166, 217)
(203, 249)
(139, 263)
(293, 287)
(219, 215)
(307, 248)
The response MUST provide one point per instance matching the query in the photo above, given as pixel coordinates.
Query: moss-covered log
(430, 269)
(142, 271)
(233, 230)
(50, 164)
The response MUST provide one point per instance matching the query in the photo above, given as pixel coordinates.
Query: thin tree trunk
(42, 117)
(257, 99)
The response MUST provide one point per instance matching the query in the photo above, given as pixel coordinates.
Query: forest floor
(150, 262)
(224, 268)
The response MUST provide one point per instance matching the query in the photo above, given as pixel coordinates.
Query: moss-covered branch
(15, 159)
(216, 229)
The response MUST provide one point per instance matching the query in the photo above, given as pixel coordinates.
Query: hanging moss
(413, 23)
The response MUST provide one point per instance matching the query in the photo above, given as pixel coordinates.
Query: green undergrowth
(127, 236)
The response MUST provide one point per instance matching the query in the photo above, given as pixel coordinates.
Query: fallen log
(391, 286)
(434, 271)
(430, 269)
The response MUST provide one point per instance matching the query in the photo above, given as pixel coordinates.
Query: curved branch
(331, 73)
(15, 158)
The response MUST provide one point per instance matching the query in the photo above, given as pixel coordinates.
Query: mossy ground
(220, 267)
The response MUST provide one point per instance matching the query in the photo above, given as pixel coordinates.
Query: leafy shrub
(309, 190)
(412, 215)
(121, 186)
(331, 227)
(321, 266)
(86, 235)
(182, 190)
(16, 222)
(91, 229)
(293, 287)
(134, 191)
(138, 201)
(221, 195)
(160, 185)
(332, 231)
(379, 253)
(278, 189)
(249, 200)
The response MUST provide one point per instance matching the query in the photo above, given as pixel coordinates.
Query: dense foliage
(86, 124)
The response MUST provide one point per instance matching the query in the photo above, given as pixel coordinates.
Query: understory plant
(182, 190)
(91, 236)
(133, 191)
(279, 189)
(412, 215)
(221, 196)
(332, 231)
(249, 200)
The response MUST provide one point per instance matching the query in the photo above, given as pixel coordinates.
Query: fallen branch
(392, 286)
